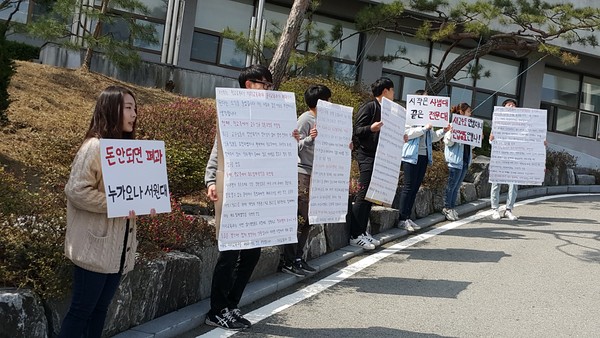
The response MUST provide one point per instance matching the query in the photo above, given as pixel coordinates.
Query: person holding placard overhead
(416, 156)
(234, 267)
(513, 189)
(101, 248)
(366, 132)
(293, 254)
(458, 156)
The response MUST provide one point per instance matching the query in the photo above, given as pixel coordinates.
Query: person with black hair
(459, 157)
(513, 189)
(416, 156)
(366, 133)
(293, 261)
(234, 267)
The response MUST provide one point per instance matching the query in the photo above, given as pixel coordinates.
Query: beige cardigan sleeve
(85, 188)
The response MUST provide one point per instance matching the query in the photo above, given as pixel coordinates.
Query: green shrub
(173, 231)
(340, 92)
(486, 148)
(188, 128)
(32, 255)
(436, 176)
(22, 51)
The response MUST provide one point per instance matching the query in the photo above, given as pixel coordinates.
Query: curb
(192, 316)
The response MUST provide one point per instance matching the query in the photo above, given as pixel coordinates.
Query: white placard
(423, 109)
(260, 185)
(388, 157)
(135, 176)
(518, 151)
(467, 130)
(331, 166)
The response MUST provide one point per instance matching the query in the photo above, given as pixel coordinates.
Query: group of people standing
(103, 249)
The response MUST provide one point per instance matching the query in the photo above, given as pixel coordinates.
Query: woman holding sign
(102, 248)
(458, 156)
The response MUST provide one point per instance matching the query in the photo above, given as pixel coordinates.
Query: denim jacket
(410, 150)
(454, 152)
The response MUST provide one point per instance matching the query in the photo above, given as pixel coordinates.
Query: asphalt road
(535, 277)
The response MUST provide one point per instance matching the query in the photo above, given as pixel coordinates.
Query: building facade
(194, 56)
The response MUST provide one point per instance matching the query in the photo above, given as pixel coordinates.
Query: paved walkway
(190, 317)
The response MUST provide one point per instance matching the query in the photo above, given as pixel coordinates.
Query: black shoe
(305, 267)
(293, 269)
(224, 319)
(237, 314)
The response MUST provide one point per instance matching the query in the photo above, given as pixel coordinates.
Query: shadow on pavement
(270, 330)
(406, 286)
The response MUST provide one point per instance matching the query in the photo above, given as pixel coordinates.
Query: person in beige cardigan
(102, 248)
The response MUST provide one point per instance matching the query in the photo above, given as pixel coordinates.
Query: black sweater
(368, 113)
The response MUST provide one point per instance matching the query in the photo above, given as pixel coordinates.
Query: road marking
(331, 280)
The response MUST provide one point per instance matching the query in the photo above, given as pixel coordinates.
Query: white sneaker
(496, 215)
(406, 226)
(361, 242)
(510, 215)
(455, 214)
(450, 214)
(372, 240)
(414, 225)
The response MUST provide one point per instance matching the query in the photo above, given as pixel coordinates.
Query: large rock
(21, 314)
(423, 203)
(438, 200)
(337, 236)
(570, 177)
(586, 179)
(468, 192)
(316, 245)
(268, 262)
(480, 171)
(382, 218)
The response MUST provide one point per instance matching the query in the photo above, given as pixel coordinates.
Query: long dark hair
(460, 108)
(107, 120)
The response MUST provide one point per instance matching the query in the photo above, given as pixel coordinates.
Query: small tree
(6, 64)
(77, 25)
(527, 26)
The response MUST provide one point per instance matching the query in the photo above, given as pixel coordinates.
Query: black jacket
(365, 140)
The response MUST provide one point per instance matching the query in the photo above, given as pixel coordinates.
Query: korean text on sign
(423, 109)
(467, 130)
(135, 176)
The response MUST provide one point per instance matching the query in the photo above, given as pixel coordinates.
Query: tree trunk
(89, 52)
(288, 39)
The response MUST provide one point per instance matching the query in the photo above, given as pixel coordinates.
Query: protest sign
(467, 130)
(331, 166)
(259, 168)
(135, 176)
(422, 110)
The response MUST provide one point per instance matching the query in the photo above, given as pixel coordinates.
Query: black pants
(362, 208)
(294, 251)
(230, 277)
(413, 177)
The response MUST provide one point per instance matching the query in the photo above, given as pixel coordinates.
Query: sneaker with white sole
(237, 314)
(455, 214)
(305, 267)
(224, 319)
(496, 215)
(293, 269)
(449, 214)
(362, 242)
(370, 238)
(508, 214)
(414, 225)
(406, 226)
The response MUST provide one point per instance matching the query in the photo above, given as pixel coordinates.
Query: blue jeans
(92, 294)
(455, 178)
(513, 189)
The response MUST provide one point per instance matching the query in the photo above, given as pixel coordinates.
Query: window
(157, 12)
(417, 51)
(483, 106)
(462, 77)
(566, 121)
(503, 74)
(19, 16)
(212, 18)
(588, 124)
(560, 87)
